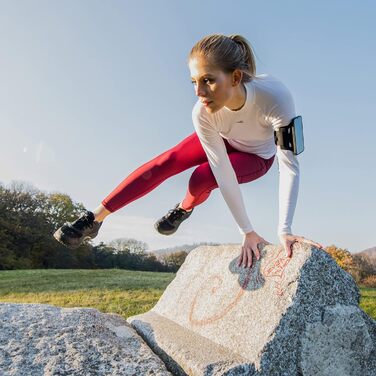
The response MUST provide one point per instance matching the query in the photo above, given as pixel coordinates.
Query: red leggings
(186, 154)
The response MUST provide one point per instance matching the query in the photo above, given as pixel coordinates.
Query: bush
(369, 281)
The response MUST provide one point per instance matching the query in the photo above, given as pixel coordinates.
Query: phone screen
(298, 133)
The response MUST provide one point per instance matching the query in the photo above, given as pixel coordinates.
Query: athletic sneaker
(72, 234)
(170, 222)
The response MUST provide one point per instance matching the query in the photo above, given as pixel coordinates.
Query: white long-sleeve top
(268, 106)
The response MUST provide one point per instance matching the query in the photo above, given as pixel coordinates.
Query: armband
(290, 137)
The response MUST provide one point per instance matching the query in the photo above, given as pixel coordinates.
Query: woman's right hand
(249, 246)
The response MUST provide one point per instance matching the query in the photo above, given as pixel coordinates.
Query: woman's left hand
(288, 240)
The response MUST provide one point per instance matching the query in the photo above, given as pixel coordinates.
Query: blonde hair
(227, 53)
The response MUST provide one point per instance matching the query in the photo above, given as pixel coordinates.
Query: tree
(353, 264)
(28, 219)
(103, 256)
(174, 260)
(129, 245)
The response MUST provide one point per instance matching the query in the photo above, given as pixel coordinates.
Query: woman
(233, 143)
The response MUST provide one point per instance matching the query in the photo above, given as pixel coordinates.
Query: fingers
(243, 257)
(287, 246)
(249, 255)
(316, 244)
(240, 258)
(257, 253)
(246, 257)
(311, 242)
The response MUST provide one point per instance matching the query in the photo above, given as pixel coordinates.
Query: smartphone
(297, 135)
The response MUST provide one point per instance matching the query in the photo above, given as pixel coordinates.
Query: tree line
(28, 219)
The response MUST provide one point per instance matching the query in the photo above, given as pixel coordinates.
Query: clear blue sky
(90, 90)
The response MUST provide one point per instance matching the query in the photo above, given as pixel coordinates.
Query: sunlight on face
(211, 84)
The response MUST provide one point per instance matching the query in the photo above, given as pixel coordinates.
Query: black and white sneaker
(72, 234)
(170, 222)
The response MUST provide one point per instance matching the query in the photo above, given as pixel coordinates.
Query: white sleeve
(288, 166)
(222, 169)
(289, 174)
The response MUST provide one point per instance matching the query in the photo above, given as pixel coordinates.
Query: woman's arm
(288, 195)
(282, 111)
(289, 176)
(221, 167)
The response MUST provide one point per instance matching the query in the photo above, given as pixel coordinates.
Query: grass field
(119, 291)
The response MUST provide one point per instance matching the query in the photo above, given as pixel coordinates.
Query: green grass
(368, 301)
(125, 292)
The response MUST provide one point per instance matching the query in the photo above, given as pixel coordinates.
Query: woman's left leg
(247, 166)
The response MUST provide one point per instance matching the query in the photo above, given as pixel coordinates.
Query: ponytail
(227, 53)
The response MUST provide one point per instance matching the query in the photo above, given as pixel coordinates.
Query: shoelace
(175, 213)
(83, 222)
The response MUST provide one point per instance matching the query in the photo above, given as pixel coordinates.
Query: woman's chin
(211, 108)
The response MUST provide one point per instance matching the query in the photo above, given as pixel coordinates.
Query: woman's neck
(239, 98)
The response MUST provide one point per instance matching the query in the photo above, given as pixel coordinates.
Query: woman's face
(213, 86)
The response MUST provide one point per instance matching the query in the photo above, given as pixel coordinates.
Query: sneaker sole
(60, 237)
(165, 232)
(170, 232)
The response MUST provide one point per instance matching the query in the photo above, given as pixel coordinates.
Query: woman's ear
(237, 76)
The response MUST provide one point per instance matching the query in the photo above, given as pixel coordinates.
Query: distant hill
(369, 254)
(185, 247)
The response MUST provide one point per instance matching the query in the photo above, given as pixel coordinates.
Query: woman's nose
(200, 91)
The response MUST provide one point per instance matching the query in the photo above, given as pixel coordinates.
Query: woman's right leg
(186, 154)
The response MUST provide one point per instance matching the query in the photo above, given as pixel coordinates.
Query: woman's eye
(210, 81)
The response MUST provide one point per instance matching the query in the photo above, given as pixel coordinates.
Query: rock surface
(297, 316)
(40, 339)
